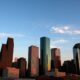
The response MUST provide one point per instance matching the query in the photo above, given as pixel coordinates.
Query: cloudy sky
(28, 20)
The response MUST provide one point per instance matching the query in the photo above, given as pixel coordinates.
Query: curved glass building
(76, 55)
(45, 54)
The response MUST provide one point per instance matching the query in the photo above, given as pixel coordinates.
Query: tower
(45, 54)
(55, 58)
(22, 66)
(6, 54)
(76, 55)
(10, 48)
(33, 61)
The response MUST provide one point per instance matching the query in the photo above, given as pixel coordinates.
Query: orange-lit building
(55, 58)
(10, 72)
(33, 61)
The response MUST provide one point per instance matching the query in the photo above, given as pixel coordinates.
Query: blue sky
(28, 20)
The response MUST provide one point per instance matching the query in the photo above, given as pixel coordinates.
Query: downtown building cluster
(46, 67)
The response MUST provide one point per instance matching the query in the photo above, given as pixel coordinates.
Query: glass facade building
(45, 54)
(76, 55)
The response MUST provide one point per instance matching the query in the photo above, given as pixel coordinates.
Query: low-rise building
(10, 72)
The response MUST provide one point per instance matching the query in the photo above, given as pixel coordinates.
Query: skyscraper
(21, 63)
(10, 48)
(55, 58)
(33, 61)
(45, 54)
(76, 55)
(6, 54)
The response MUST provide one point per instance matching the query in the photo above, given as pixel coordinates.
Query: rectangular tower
(6, 54)
(55, 58)
(33, 61)
(10, 49)
(21, 64)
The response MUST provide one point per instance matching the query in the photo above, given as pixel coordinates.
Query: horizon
(27, 20)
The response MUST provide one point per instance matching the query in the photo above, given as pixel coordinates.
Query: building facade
(45, 54)
(22, 65)
(6, 54)
(55, 58)
(10, 72)
(33, 61)
(76, 55)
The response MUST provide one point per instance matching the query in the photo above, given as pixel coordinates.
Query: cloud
(3, 35)
(58, 43)
(65, 30)
(53, 46)
(73, 38)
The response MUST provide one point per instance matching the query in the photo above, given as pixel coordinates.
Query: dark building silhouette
(33, 61)
(6, 54)
(52, 65)
(45, 54)
(69, 67)
(76, 55)
(40, 68)
(55, 58)
(10, 46)
(22, 65)
(73, 67)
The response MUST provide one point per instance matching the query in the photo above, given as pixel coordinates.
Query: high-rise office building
(33, 61)
(6, 54)
(22, 65)
(55, 58)
(10, 48)
(3, 56)
(45, 54)
(76, 55)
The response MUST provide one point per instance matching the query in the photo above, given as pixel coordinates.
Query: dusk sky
(28, 20)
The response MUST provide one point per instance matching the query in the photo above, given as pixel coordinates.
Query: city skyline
(39, 67)
(26, 21)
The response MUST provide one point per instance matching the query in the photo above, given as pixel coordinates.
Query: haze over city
(28, 20)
